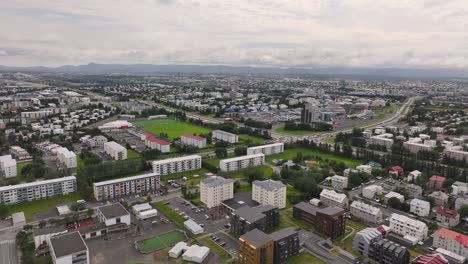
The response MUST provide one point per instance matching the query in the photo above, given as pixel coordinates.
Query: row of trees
(317, 126)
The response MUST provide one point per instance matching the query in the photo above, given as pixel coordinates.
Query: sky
(279, 33)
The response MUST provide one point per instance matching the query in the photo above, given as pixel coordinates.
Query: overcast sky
(364, 33)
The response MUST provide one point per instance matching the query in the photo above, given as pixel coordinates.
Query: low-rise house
(332, 198)
(390, 195)
(440, 198)
(405, 226)
(68, 248)
(367, 169)
(447, 217)
(339, 182)
(371, 191)
(396, 171)
(366, 212)
(459, 188)
(420, 207)
(436, 182)
(412, 176)
(459, 202)
(451, 241)
(413, 190)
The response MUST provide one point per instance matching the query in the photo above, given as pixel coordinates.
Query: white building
(366, 212)
(96, 142)
(118, 124)
(367, 169)
(415, 147)
(113, 214)
(196, 254)
(179, 164)
(144, 211)
(66, 157)
(241, 162)
(31, 191)
(154, 143)
(332, 198)
(412, 176)
(370, 191)
(68, 248)
(267, 150)
(456, 153)
(382, 140)
(405, 226)
(20, 153)
(451, 241)
(225, 136)
(390, 195)
(193, 227)
(116, 151)
(191, 140)
(269, 192)
(420, 207)
(8, 166)
(459, 188)
(126, 186)
(214, 190)
(36, 114)
(339, 182)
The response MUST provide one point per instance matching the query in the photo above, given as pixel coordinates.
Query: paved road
(8, 254)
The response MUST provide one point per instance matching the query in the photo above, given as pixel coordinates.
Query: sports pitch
(172, 127)
(160, 241)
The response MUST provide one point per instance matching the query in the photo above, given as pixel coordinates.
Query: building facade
(194, 141)
(126, 186)
(332, 198)
(270, 149)
(242, 162)
(366, 212)
(310, 113)
(255, 247)
(331, 222)
(387, 252)
(269, 192)
(447, 217)
(179, 164)
(245, 219)
(225, 136)
(339, 182)
(67, 158)
(214, 190)
(405, 226)
(68, 248)
(116, 151)
(451, 241)
(8, 166)
(420, 207)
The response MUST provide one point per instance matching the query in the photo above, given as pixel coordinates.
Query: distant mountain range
(148, 69)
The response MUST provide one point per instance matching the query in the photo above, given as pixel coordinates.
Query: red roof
(193, 137)
(430, 259)
(437, 178)
(447, 212)
(452, 235)
(396, 168)
(155, 140)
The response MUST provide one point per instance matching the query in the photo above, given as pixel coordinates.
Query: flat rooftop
(66, 244)
(240, 199)
(113, 210)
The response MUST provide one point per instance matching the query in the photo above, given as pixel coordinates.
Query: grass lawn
(287, 220)
(191, 181)
(330, 140)
(244, 139)
(169, 212)
(267, 171)
(305, 258)
(216, 248)
(131, 154)
(291, 191)
(289, 154)
(20, 166)
(297, 132)
(30, 208)
(160, 241)
(245, 187)
(348, 243)
(172, 127)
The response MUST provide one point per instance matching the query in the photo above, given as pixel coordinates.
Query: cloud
(364, 33)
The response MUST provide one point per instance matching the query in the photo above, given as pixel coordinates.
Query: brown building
(256, 247)
(329, 221)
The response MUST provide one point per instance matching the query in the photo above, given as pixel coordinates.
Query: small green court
(173, 128)
(160, 241)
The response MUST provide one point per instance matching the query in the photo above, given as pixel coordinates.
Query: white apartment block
(366, 212)
(116, 151)
(332, 198)
(215, 190)
(405, 226)
(370, 191)
(36, 114)
(191, 140)
(241, 162)
(20, 153)
(420, 207)
(126, 186)
(390, 195)
(96, 142)
(452, 241)
(8, 166)
(456, 153)
(179, 164)
(339, 182)
(225, 136)
(382, 140)
(414, 147)
(269, 192)
(267, 150)
(367, 169)
(67, 158)
(154, 143)
(31, 191)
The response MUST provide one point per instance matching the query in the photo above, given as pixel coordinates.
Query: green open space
(352, 228)
(287, 220)
(160, 241)
(20, 166)
(289, 154)
(131, 154)
(304, 258)
(30, 208)
(240, 174)
(216, 248)
(191, 180)
(171, 127)
(248, 139)
(166, 210)
(281, 130)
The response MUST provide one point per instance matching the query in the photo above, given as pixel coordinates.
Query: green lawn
(267, 172)
(160, 241)
(216, 248)
(348, 243)
(305, 258)
(287, 220)
(30, 208)
(169, 212)
(191, 181)
(244, 139)
(172, 127)
(298, 132)
(20, 166)
(289, 154)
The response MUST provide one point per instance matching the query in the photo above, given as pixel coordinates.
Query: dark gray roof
(285, 232)
(307, 207)
(66, 244)
(216, 180)
(49, 230)
(113, 210)
(269, 184)
(253, 214)
(256, 237)
(240, 199)
(332, 211)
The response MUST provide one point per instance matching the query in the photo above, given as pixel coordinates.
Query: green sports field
(172, 127)
(160, 241)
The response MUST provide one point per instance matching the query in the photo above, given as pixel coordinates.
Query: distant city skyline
(360, 33)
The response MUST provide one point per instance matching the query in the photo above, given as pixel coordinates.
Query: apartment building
(20, 153)
(179, 164)
(68, 248)
(214, 190)
(194, 141)
(116, 151)
(366, 212)
(140, 184)
(31, 191)
(96, 141)
(36, 114)
(440, 198)
(436, 258)
(331, 222)
(224, 136)
(267, 150)
(339, 182)
(245, 219)
(387, 252)
(412, 176)
(255, 247)
(8, 166)
(66, 157)
(447, 217)
(242, 162)
(456, 153)
(364, 239)
(152, 142)
(391, 195)
(414, 147)
(370, 191)
(420, 207)
(405, 226)
(269, 192)
(286, 244)
(385, 140)
(459, 188)
(436, 182)
(452, 241)
(332, 198)
(367, 169)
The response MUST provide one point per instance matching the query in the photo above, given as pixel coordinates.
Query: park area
(173, 128)
(159, 242)
(289, 154)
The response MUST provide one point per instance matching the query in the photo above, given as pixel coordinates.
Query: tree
(221, 152)
(463, 211)
(3, 211)
(254, 175)
(354, 180)
(394, 203)
(275, 176)
(240, 151)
